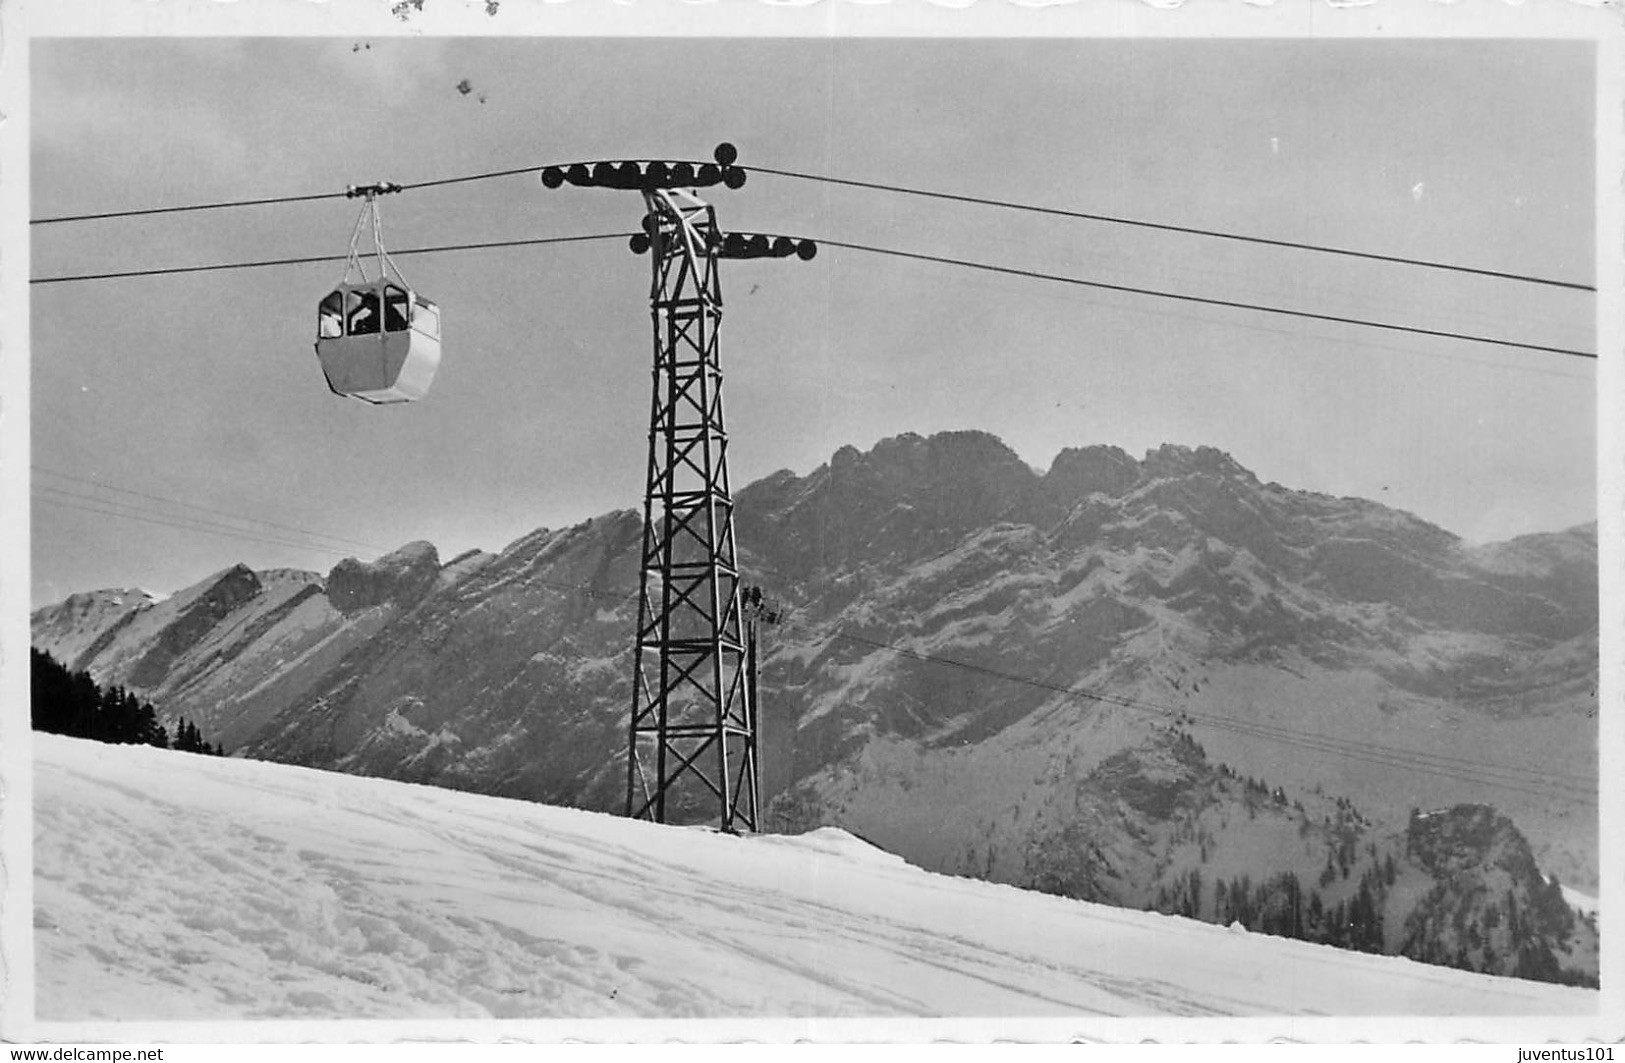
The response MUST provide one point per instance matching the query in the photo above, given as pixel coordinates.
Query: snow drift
(172, 886)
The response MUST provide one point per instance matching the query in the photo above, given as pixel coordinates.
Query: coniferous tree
(1190, 904)
(1337, 931)
(83, 695)
(1294, 899)
(71, 703)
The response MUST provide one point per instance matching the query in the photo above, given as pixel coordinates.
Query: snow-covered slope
(172, 886)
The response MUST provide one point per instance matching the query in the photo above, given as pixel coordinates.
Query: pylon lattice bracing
(692, 743)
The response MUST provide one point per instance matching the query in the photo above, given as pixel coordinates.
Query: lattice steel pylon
(692, 733)
(692, 712)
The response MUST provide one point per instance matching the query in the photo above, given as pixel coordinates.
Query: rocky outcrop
(1076, 473)
(398, 578)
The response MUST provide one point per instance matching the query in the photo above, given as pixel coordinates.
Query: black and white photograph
(817, 522)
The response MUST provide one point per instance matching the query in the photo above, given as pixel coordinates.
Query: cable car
(377, 340)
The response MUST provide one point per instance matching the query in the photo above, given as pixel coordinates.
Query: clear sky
(204, 388)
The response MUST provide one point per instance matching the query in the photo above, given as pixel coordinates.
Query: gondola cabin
(378, 342)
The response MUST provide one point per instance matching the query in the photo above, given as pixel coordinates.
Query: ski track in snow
(174, 886)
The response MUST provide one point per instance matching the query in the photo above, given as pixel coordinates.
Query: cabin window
(362, 319)
(426, 318)
(330, 316)
(396, 306)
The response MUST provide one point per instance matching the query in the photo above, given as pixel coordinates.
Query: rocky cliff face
(967, 645)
